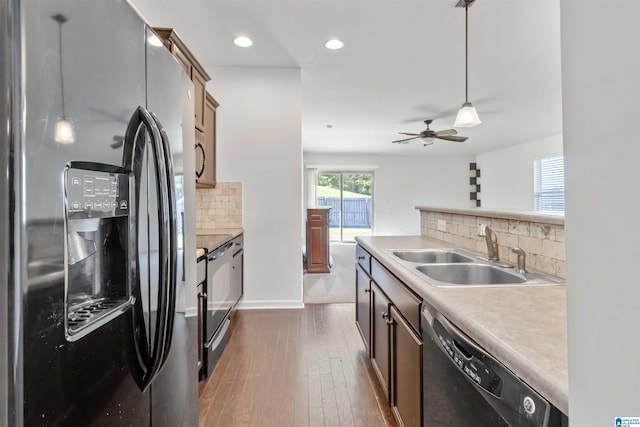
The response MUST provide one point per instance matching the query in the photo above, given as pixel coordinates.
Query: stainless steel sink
(432, 256)
(470, 274)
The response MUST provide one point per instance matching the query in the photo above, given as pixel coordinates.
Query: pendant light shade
(64, 133)
(467, 115)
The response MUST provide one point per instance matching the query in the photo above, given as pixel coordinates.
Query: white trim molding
(269, 305)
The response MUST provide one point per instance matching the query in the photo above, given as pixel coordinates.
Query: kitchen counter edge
(210, 240)
(503, 320)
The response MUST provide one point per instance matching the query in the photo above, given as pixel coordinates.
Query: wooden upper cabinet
(204, 108)
(199, 96)
(207, 168)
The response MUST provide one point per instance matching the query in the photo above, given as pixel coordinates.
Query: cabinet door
(406, 366)
(317, 247)
(363, 306)
(198, 96)
(380, 337)
(182, 59)
(209, 175)
(201, 157)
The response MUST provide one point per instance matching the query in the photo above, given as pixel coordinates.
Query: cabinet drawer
(364, 259)
(201, 271)
(407, 302)
(320, 216)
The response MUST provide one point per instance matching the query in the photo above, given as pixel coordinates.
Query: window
(548, 183)
(349, 195)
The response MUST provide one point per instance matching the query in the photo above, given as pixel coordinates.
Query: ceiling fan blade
(412, 134)
(404, 141)
(453, 138)
(446, 132)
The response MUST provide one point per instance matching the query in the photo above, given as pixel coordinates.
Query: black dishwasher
(463, 386)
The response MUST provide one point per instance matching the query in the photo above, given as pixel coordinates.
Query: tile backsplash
(219, 207)
(543, 243)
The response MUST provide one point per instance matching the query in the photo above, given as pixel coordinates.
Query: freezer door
(174, 393)
(10, 384)
(84, 65)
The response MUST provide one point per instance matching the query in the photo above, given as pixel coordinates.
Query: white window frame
(548, 184)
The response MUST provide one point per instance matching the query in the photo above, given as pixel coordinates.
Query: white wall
(402, 182)
(601, 86)
(259, 144)
(507, 173)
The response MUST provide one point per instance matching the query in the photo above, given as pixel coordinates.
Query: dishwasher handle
(514, 400)
(220, 252)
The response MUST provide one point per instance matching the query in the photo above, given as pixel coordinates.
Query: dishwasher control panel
(472, 365)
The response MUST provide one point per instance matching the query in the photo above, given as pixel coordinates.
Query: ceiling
(403, 62)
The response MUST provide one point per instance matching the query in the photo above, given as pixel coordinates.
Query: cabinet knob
(366, 291)
(361, 257)
(390, 322)
(385, 315)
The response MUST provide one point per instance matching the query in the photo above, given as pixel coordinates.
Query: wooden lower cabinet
(318, 240)
(394, 342)
(406, 372)
(363, 306)
(380, 349)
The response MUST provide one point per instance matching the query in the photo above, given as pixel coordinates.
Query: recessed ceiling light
(334, 44)
(329, 126)
(154, 40)
(243, 41)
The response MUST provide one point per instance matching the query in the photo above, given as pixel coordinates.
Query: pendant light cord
(466, 51)
(64, 115)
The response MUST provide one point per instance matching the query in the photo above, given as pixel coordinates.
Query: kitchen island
(522, 326)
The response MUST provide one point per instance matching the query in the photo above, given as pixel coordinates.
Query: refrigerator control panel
(96, 194)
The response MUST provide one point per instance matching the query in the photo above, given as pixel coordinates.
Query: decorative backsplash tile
(543, 243)
(219, 207)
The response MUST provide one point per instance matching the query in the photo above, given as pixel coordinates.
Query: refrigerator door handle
(172, 238)
(133, 155)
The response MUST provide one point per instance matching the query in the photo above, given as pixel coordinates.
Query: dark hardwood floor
(294, 368)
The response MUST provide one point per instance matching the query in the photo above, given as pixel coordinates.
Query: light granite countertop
(210, 240)
(525, 327)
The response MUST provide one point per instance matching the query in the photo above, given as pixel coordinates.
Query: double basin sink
(457, 267)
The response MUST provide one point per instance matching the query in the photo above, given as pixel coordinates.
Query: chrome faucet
(521, 268)
(492, 242)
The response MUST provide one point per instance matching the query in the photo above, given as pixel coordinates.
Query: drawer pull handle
(390, 322)
(361, 257)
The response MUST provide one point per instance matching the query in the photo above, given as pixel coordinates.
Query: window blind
(549, 184)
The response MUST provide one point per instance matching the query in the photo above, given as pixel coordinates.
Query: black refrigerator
(92, 239)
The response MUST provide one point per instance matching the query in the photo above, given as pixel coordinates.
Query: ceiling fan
(429, 135)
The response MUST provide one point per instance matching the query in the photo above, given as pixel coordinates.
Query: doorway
(350, 196)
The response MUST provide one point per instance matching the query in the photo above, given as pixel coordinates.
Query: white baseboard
(269, 305)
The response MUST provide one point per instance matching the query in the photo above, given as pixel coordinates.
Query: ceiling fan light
(64, 133)
(427, 141)
(467, 116)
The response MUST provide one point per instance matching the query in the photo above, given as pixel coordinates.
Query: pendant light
(467, 115)
(64, 133)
